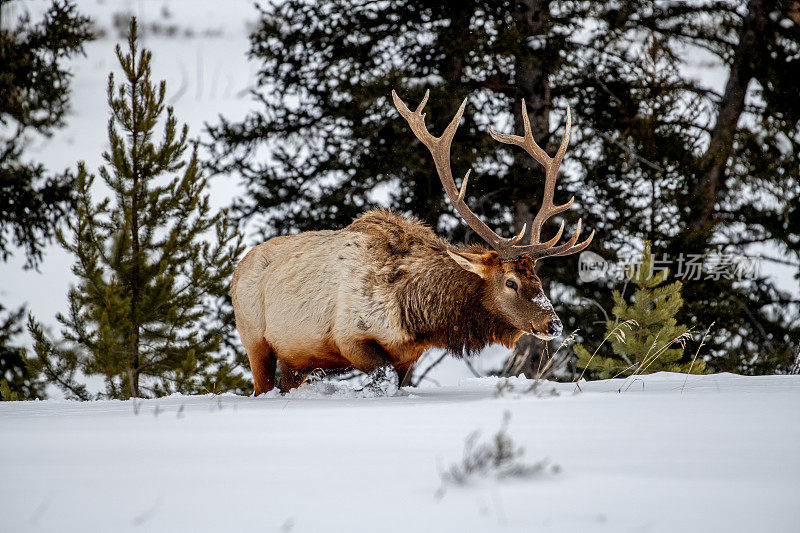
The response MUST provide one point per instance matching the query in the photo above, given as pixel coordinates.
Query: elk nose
(554, 327)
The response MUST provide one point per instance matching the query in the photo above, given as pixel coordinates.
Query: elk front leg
(290, 378)
(372, 359)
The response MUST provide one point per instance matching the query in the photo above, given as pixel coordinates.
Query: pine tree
(34, 99)
(645, 337)
(152, 261)
(325, 144)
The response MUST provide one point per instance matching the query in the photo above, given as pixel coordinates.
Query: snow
(208, 74)
(719, 454)
(542, 301)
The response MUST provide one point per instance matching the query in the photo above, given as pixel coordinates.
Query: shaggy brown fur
(440, 303)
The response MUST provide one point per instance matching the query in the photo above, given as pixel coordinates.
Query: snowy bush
(499, 458)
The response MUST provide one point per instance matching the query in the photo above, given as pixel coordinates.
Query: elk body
(381, 291)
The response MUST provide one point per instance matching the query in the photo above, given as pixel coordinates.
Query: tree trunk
(135, 289)
(714, 161)
(532, 84)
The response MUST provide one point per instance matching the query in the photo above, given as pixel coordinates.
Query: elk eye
(511, 284)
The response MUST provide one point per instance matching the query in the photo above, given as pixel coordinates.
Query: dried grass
(619, 333)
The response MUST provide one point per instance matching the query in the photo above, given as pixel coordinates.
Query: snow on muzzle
(552, 327)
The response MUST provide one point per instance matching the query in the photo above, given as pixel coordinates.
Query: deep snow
(721, 455)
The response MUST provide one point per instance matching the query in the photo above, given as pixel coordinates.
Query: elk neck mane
(439, 303)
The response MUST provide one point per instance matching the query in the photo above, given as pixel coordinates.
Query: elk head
(514, 289)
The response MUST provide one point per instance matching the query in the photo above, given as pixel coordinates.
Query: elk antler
(548, 209)
(440, 150)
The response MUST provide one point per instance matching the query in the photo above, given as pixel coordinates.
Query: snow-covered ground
(721, 454)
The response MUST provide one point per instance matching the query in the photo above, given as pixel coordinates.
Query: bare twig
(597, 304)
(425, 373)
(471, 368)
(500, 457)
(550, 365)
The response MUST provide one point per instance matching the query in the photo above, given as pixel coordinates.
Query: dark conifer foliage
(152, 261)
(655, 155)
(704, 174)
(16, 381)
(34, 100)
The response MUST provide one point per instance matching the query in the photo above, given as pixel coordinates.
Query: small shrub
(500, 458)
(645, 337)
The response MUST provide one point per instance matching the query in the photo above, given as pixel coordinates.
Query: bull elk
(378, 293)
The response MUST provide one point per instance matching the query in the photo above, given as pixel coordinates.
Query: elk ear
(475, 263)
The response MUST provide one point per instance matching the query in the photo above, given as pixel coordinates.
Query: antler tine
(525, 142)
(538, 249)
(555, 250)
(564, 142)
(552, 241)
(417, 122)
(551, 166)
(421, 105)
(507, 248)
(566, 250)
(440, 150)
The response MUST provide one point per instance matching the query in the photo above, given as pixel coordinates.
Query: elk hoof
(382, 382)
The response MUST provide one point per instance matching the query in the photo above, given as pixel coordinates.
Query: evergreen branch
(63, 376)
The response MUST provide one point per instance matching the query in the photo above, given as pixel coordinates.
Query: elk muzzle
(547, 326)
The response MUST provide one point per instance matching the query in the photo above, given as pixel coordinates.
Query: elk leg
(370, 358)
(262, 364)
(403, 375)
(290, 378)
(366, 355)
